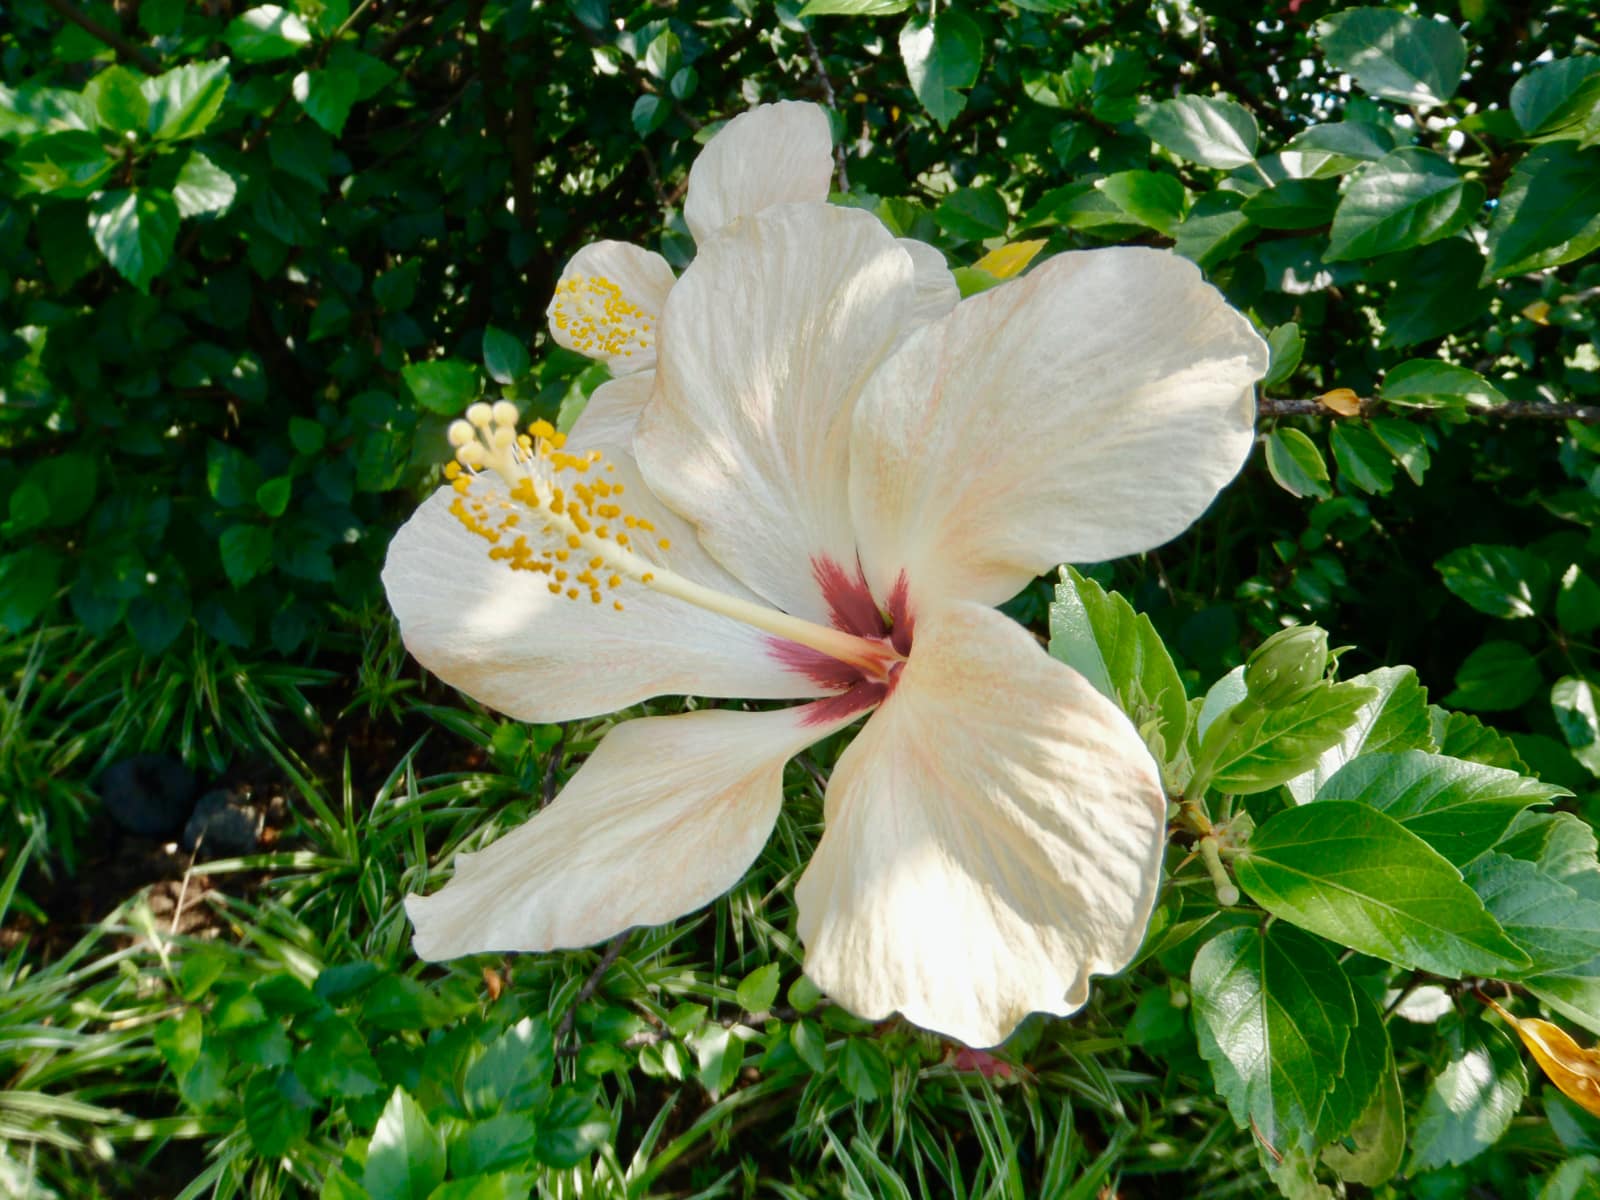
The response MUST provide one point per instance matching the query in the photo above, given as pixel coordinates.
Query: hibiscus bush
(1245, 357)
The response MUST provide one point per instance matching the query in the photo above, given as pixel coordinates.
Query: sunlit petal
(502, 637)
(611, 414)
(774, 330)
(993, 837)
(1091, 409)
(666, 815)
(774, 154)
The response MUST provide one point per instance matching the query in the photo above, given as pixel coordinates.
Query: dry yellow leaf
(1538, 312)
(1342, 401)
(1009, 259)
(1571, 1068)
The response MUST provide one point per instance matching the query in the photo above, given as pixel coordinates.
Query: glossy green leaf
(1559, 99)
(1459, 808)
(273, 1118)
(28, 582)
(406, 1157)
(1295, 462)
(1496, 677)
(1429, 383)
(327, 96)
(1578, 601)
(135, 230)
(1150, 198)
(1471, 1102)
(1549, 921)
(942, 58)
(246, 550)
(68, 164)
(1368, 1059)
(514, 1072)
(1395, 718)
(1502, 581)
(1364, 461)
(1436, 291)
(119, 100)
(1548, 212)
(1371, 1151)
(1207, 130)
(571, 1128)
(202, 188)
(185, 100)
(1213, 230)
(1269, 747)
(1287, 344)
(1118, 651)
(1294, 204)
(504, 356)
(1358, 877)
(1461, 735)
(1413, 60)
(1407, 199)
(1575, 706)
(759, 989)
(266, 32)
(445, 385)
(1273, 1013)
(854, 8)
(973, 214)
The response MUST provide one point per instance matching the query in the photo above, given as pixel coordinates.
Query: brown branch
(833, 103)
(124, 48)
(613, 952)
(1531, 410)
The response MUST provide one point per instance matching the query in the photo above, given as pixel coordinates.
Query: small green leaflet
(445, 385)
(1429, 383)
(942, 58)
(1396, 718)
(1296, 464)
(1271, 746)
(1119, 651)
(202, 188)
(1502, 581)
(406, 1157)
(186, 99)
(136, 231)
(1273, 1014)
(1459, 808)
(1359, 878)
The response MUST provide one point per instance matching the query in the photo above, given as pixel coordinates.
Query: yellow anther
(665, 543)
(597, 319)
(596, 563)
(572, 593)
(647, 577)
(617, 604)
(452, 470)
(631, 521)
(614, 582)
(542, 429)
(555, 589)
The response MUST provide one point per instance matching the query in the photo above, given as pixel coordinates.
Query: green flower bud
(1286, 666)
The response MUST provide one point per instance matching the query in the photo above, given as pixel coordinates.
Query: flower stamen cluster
(600, 321)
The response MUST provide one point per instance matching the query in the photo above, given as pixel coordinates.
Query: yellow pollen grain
(665, 543)
(555, 589)
(614, 581)
(572, 593)
(617, 604)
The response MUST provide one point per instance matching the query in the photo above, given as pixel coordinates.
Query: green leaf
(327, 96)
(1578, 602)
(504, 355)
(1371, 1151)
(232, 476)
(1149, 198)
(157, 615)
(1203, 129)
(1573, 700)
(1471, 1102)
(1462, 736)
(335, 1063)
(1359, 878)
(1294, 204)
(506, 1140)
(119, 100)
(202, 188)
(266, 32)
(1273, 1014)
(1367, 1058)
(273, 1117)
(1118, 651)
(308, 436)
(1407, 199)
(62, 486)
(1213, 230)
(1287, 344)
(942, 59)
(185, 100)
(1496, 677)
(135, 230)
(1549, 921)
(445, 385)
(973, 214)
(571, 1129)
(28, 582)
(650, 113)
(1428, 383)
(1364, 461)
(1502, 581)
(273, 495)
(514, 1072)
(1406, 442)
(759, 989)
(1459, 808)
(1296, 464)
(854, 8)
(1269, 747)
(864, 1070)
(406, 1157)
(69, 164)
(1347, 143)
(1436, 291)
(1395, 718)
(1559, 99)
(1548, 212)
(1414, 60)
(246, 551)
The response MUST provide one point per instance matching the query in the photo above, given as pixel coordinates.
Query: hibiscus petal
(666, 815)
(937, 290)
(1092, 408)
(608, 304)
(773, 154)
(608, 419)
(775, 328)
(993, 837)
(501, 636)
